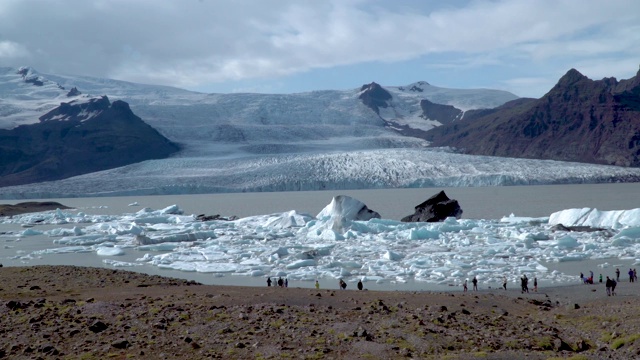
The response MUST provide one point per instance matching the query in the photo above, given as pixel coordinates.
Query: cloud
(190, 43)
(11, 50)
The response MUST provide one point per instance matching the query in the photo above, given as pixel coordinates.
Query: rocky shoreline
(63, 312)
(29, 207)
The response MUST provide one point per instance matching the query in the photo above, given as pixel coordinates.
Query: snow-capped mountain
(331, 139)
(244, 119)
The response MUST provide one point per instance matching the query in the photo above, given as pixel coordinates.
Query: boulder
(436, 208)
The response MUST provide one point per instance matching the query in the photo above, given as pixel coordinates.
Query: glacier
(321, 140)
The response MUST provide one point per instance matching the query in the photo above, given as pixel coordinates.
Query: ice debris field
(336, 243)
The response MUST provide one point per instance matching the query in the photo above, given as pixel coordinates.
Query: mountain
(245, 120)
(579, 119)
(78, 137)
(320, 140)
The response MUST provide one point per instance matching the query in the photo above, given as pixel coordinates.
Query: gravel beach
(70, 312)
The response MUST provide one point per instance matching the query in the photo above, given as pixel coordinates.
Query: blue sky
(286, 46)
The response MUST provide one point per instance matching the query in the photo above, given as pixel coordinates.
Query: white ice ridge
(303, 247)
(365, 169)
(598, 219)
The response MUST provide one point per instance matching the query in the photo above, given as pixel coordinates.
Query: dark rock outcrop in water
(29, 207)
(436, 208)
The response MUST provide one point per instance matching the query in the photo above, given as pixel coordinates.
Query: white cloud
(11, 50)
(190, 43)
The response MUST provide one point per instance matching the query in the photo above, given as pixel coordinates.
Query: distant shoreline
(29, 207)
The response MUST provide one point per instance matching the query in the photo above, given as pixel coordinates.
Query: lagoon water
(477, 203)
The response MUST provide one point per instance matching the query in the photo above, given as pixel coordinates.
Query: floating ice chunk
(514, 220)
(158, 247)
(631, 233)
(572, 257)
(89, 239)
(393, 256)
(347, 208)
(109, 251)
(567, 242)
(287, 220)
(301, 263)
(135, 203)
(172, 209)
(115, 263)
(423, 234)
(64, 250)
(175, 237)
(624, 241)
(31, 232)
(614, 219)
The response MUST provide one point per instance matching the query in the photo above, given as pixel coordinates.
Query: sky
(290, 46)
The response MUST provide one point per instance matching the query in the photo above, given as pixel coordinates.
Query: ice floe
(342, 241)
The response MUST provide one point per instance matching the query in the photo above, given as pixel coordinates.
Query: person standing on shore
(630, 275)
(582, 278)
(607, 284)
(360, 286)
(617, 274)
(269, 281)
(343, 285)
(535, 284)
(317, 285)
(475, 283)
(600, 279)
(286, 282)
(504, 282)
(464, 286)
(280, 281)
(613, 287)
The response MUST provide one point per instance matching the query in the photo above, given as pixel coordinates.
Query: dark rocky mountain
(579, 119)
(77, 138)
(445, 114)
(374, 96)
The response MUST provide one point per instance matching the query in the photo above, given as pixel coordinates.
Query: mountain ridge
(579, 119)
(76, 138)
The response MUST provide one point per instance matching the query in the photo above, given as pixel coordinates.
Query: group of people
(285, 283)
(280, 282)
(475, 284)
(524, 284)
(610, 283)
(343, 285)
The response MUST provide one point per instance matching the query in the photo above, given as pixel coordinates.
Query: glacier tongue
(365, 169)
